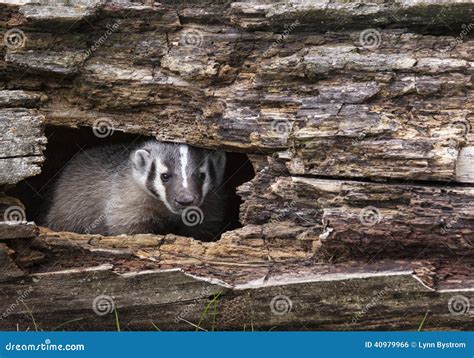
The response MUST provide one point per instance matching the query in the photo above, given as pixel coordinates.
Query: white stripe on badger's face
(207, 180)
(184, 159)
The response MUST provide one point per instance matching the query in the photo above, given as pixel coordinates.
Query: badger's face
(177, 174)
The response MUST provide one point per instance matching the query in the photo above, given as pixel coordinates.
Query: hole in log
(65, 143)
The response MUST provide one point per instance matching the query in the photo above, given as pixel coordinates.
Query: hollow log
(356, 117)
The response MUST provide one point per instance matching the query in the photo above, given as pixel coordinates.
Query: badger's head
(177, 174)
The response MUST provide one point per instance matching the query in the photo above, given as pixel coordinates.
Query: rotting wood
(171, 299)
(8, 269)
(13, 224)
(21, 144)
(465, 167)
(365, 217)
(314, 92)
(17, 230)
(357, 214)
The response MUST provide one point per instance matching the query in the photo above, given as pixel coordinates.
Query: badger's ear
(140, 160)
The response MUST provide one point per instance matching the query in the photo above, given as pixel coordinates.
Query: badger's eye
(202, 176)
(165, 177)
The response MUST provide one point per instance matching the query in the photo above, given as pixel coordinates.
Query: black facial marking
(212, 171)
(151, 178)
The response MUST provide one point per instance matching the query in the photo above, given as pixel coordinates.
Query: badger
(155, 187)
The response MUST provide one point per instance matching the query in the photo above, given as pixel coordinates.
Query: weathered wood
(21, 144)
(399, 108)
(17, 230)
(135, 277)
(58, 12)
(8, 269)
(365, 218)
(328, 15)
(13, 221)
(171, 299)
(240, 248)
(357, 118)
(59, 63)
(241, 256)
(381, 146)
(465, 165)
(20, 98)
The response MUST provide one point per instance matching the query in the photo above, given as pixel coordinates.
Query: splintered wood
(356, 117)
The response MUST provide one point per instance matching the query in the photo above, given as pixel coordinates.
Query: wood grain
(357, 118)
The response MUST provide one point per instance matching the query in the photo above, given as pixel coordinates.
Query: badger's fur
(112, 190)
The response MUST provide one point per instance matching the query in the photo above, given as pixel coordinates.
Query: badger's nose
(184, 199)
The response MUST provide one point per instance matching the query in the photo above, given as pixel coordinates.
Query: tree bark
(356, 117)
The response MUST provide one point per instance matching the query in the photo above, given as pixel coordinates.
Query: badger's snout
(185, 198)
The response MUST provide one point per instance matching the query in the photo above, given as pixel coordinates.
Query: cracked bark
(363, 195)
